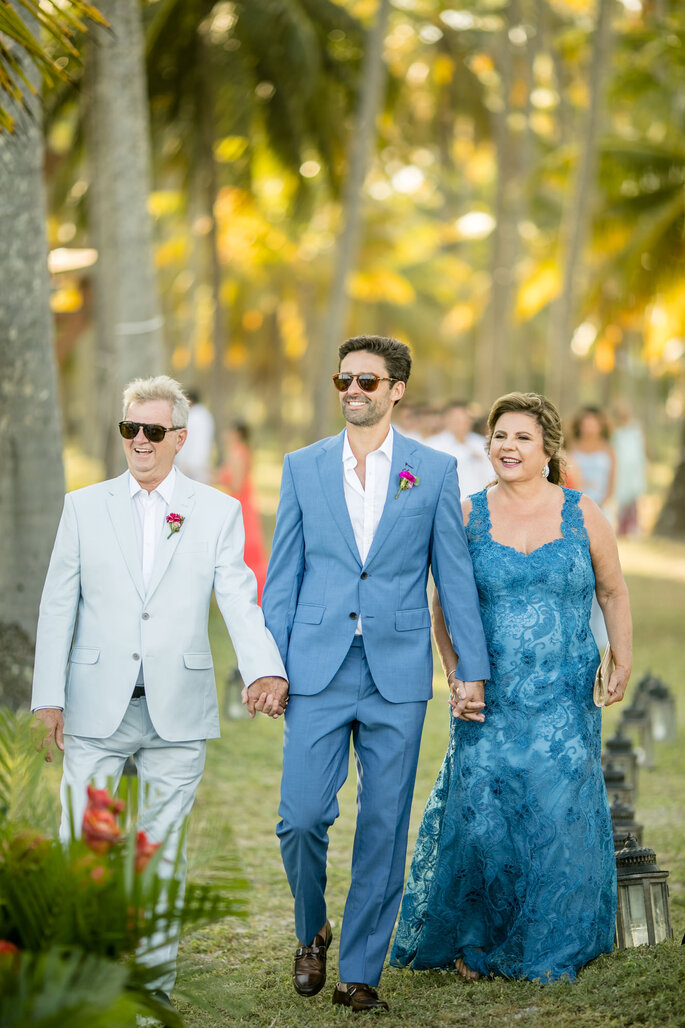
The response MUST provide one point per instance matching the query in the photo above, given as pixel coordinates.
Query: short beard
(368, 416)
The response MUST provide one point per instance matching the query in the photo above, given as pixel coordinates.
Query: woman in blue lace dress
(514, 871)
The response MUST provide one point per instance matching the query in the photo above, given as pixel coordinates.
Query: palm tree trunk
(671, 520)
(493, 356)
(128, 320)
(561, 376)
(219, 399)
(31, 469)
(362, 137)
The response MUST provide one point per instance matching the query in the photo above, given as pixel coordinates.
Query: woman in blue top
(514, 871)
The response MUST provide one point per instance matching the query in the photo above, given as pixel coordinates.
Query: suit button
(146, 616)
(136, 656)
(365, 574)
(353, 616)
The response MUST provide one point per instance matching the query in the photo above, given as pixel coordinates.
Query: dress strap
(572, 520)
(478, 526)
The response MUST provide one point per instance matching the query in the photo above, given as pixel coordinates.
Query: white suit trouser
(168, 774)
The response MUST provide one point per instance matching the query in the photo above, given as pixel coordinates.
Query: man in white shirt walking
(362, 518)
(123, 665)
(195, 458)
(457, 439)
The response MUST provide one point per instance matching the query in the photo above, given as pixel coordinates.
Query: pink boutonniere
(174, 521)
(407, 481)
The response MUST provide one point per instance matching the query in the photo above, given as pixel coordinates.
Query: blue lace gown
(514, 867)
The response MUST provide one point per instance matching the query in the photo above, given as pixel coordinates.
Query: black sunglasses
(155, 433)
(367, 381)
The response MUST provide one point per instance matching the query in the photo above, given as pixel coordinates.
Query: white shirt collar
(165, 488)
(348, 458)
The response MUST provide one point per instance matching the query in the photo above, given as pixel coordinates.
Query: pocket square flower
(407, 481)
(174, 521)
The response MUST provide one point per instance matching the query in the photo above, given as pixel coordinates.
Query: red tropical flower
(145, 850)
(100, 799)
(99, 827)
(7, 947)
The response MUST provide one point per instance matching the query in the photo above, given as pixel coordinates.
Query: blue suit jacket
(317, 584)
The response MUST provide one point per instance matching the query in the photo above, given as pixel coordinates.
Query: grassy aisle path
(241, 969)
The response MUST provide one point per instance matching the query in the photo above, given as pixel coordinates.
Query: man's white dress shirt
(149, 519)
(365, 503)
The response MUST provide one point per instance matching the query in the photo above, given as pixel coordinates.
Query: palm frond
(68, 987)
(21, 26)
(22, 798)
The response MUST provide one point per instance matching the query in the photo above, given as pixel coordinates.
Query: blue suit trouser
(386, 738)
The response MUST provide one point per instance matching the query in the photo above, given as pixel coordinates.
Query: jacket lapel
(182, 502)
(404, 455)
(119, 507)
(330, 467)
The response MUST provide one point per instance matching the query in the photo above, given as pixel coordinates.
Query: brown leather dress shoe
(309, 972)
(359, 997)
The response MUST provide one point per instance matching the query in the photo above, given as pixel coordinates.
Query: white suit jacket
(97, 621)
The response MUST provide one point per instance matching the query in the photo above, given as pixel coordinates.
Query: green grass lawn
(240, 970)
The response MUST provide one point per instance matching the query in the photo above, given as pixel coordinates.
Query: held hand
(617, 685)
(49, 727)
(467, 700)
(268, 695)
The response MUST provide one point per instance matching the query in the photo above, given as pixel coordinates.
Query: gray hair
(161, 387)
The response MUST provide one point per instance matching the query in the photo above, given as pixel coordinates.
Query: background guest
(631, 467)
(195, 459)
(459, 440)
(591, 455)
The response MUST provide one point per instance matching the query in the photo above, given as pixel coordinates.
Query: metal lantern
(619, 752)
(616, 784)
(642, 916)
(640, 693)
(623, 823)
(639, 722)
(662, 713)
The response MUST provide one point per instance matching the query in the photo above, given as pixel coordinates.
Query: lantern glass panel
(659, 908)
(660, 715)
(637, 915)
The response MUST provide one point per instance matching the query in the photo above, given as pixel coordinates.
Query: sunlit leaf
(540, 287)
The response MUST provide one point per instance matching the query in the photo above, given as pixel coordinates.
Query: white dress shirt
(149, 518)
(365, 503)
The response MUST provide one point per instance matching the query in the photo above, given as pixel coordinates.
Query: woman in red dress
(235, 477)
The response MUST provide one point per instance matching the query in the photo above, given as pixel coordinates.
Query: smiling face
(368, 409)
(516, 448)
(150, 463)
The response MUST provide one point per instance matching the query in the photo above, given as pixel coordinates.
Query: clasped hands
(268, 695)
(467, 700)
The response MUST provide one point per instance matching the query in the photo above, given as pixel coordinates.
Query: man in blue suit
(363, 517)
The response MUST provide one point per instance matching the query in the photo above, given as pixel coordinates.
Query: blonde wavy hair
(547, 417)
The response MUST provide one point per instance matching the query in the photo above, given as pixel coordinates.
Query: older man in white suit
(123, 664)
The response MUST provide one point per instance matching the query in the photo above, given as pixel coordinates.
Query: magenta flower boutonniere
(174, 521)
(407, 481)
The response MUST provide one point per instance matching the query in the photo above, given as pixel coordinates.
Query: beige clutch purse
(600, 692)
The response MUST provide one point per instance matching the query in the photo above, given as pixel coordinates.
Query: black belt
(138, 692)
